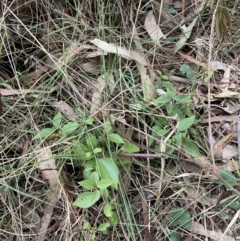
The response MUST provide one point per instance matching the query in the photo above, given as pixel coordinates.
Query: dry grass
(48, 63)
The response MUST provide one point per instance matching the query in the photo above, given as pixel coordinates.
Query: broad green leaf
(228, 177)
(87, 225)
(89, 121)
(185, 68)
(168, 86)
(163, 99)
(87, 184)
(169, 108)
(104, 193)
(44, 133)
(103, 227)
(173, 236)
(91, 141)
(107, 127)
(130, 148)
(186, 34)
(80, 151)
(94, 177)
(57, 120)
(108, 169)
(114, 219)
(177, 111)
(184, 124)
(183, 99)
(69, 127)
(191, 148)
(158, 131)
(178, 217)
(232, 202)
(87, 199)
(104, 183)
(107, 210)
(97, 150)
(177, 139)
(115, 138)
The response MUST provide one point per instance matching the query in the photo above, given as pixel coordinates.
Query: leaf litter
(160, 169)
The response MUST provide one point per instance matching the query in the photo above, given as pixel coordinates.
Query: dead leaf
(153, 28)
(6, 92)
(121, 51)
(66, 109)
(226, 94)
(215, 235)
(47, 167)
(186, 34)
(111, 48)
(149, 92)
(100, 85)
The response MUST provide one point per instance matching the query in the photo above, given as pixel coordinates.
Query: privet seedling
(100, 172)
(177, 106)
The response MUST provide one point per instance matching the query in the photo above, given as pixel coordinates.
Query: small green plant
(58, 130)
(178, 218)
(187, 71)
(177, 106)
(233, 201)
(100, 173)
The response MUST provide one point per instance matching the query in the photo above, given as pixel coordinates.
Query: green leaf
(173, 236)
(91, 141)
(183, 99)
(87, 184)
(97, 150)
(114, 219)
(104, 183)
(107, 127)
(169, 108)
(94, 177)
(177, 139)
(69, 127)
(191, 148)
(115, 138)
(87, 199)
(108, 169)
(80, 151)
(185, 68)
(87, 225)
(107, 210)
(184, 124)
(168, 86)
(187, 31)
(104, 193)
(130, 148)
(103, 227)
(228, 177)
(89, 121)
(57, 120)
(190, 74)
(163, 99)
(179, 217)
(44, 133)
(232, 202)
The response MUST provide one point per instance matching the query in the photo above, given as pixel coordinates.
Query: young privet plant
(178, 106)
(100, 173)
(233, 201)
(179, 218)
(100, 170)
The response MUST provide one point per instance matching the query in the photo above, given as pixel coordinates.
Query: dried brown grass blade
(47, 166)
